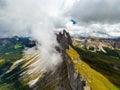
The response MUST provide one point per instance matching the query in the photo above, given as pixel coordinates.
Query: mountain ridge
(72, 74)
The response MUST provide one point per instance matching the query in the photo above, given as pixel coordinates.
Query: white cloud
(99, 30)
(38, 19)
(93, 17)
(103, 11)
(96, 17)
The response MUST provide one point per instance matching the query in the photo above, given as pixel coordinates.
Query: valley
(87, 68)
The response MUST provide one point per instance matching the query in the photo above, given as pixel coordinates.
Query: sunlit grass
(102, 63)
(17, 46)
(2, 61)
(7, 87)
(93, 78)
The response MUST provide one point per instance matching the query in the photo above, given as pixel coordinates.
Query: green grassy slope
(107, 65)
(8, 55)
(94, 79)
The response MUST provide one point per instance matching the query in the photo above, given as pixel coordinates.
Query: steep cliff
(73, 73)
(65, 76)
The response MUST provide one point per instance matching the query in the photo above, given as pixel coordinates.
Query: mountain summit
(63, 77)
(78, 69)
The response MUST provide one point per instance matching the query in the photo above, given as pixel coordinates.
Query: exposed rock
(64, 39)
(65, 77)
(95, 43)
(117, 44)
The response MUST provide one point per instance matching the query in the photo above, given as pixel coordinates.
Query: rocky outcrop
(65, 77)
(97, 44)
(94, 43)
(64, 39)
(74, 78)
(117, 44)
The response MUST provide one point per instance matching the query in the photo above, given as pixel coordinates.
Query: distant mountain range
(89, 63)
(97, 44)
(114, 42)
(21, 40)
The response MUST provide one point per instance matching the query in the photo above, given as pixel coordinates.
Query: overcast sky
(94, 17)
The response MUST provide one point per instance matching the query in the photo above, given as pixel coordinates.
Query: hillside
(93, 78)
(81, 69)
(108, 64)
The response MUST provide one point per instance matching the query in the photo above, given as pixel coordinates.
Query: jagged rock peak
(65, 76)
(64, 39)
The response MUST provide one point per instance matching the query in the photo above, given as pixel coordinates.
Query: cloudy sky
(94, 17)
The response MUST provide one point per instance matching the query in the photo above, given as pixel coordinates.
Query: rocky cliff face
(64, 39)
(117, 44)
(94, 44)
(74, 78)
(65, 77)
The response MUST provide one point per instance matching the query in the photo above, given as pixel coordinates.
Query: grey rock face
(65, 77)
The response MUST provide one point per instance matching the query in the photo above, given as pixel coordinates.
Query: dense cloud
(37, 19)
(95, 17)
(99, 18)
(102, 11)
(99, 30)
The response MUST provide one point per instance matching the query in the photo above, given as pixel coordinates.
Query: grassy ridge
(108, 65)
(94, 79)
(8, 55)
